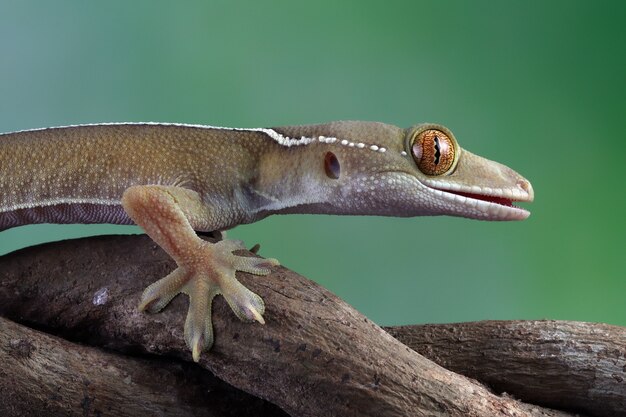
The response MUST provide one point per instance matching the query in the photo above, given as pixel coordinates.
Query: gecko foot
(211, 271)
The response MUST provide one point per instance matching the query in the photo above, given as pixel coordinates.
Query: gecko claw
(256, 315)
(196, 349)
(195, 353)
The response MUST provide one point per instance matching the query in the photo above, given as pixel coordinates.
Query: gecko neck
(289, 180)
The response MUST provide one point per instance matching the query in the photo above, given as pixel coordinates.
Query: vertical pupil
(437, 151)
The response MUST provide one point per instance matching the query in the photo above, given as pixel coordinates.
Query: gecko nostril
(524, 185)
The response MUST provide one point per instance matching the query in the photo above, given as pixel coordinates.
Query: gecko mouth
(483, 202)
(489, 198)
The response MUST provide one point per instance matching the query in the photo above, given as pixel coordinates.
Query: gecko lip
(484, 202)
(496, 207)
(491, 199)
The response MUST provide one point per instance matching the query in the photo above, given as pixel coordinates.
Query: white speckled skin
(45, 174)
(388, 183)
(174, 179)
(78, 174)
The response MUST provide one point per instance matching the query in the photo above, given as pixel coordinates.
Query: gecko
(174, 180)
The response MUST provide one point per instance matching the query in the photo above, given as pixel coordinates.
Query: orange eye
(433, 152)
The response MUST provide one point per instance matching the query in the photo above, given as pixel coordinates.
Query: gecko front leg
(169, 216)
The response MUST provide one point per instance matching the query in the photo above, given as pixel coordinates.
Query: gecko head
(424, 171)
(461, 183)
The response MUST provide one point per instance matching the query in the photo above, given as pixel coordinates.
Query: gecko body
(174, 179)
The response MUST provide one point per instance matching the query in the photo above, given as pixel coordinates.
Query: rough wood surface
(564, 365)
(43, 375)
(316, 356)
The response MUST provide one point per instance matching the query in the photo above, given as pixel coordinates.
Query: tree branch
(316, 355)
(45, 375)
(565, 365)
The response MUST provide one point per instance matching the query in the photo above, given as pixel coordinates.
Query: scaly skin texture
(173, 180)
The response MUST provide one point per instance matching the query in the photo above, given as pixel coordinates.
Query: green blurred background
(539, 86)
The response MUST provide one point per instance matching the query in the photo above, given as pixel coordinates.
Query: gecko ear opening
(331, 166)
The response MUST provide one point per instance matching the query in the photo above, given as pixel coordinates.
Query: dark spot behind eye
(331, 166)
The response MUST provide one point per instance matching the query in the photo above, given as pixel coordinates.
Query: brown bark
(45, 375)
(564, 365)
(315, 356)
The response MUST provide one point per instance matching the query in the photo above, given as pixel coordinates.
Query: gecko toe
(257, 266)
(198, 324)
(246, 305)
(156, 296)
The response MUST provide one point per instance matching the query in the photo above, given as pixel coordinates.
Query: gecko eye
(433, 152)
(331, 165)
